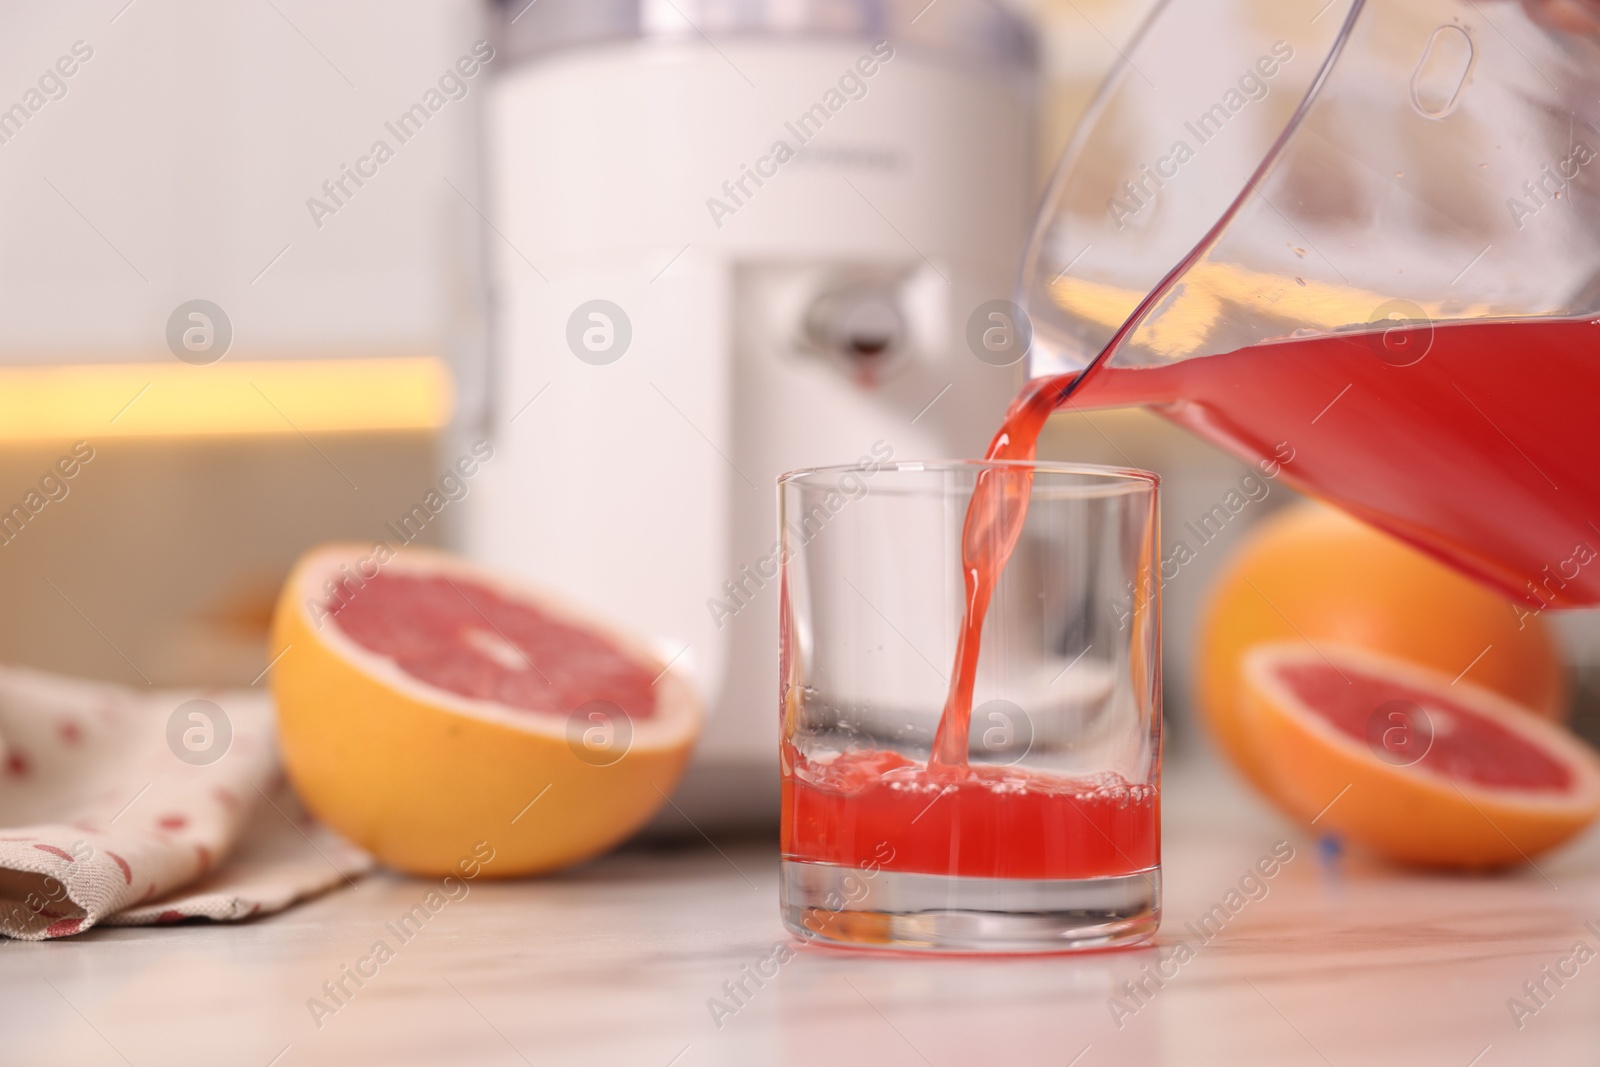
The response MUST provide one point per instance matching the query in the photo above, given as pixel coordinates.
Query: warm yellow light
(228, 398)
(1213, 293)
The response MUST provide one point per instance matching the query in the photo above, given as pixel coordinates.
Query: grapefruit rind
(1410, 813)
(421, 777)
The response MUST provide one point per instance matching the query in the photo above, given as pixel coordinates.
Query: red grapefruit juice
(873, 809)
(1483, 452)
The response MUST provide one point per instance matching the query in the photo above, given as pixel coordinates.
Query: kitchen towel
(142, 806)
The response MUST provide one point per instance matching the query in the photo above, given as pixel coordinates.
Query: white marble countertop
(1338, 963)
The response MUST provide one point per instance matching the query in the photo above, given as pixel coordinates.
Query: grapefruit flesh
(434, 712)
(462, 636)
(1411, 763)
(1453, 741)
(1316, 575)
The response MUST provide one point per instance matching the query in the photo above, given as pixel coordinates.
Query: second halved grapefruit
(1317, 575)
(1416, 767)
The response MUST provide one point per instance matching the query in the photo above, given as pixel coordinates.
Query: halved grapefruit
(1314, 573)
(433, 712)
(1401, 760)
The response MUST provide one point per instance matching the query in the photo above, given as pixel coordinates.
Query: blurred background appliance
(750, 312)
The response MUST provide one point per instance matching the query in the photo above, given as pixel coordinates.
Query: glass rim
(1112, 481)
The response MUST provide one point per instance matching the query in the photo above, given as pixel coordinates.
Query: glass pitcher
(1360, 239)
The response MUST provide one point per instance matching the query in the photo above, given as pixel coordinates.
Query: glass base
(834, 905)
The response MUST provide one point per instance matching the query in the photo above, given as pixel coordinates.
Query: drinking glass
(1047, 838)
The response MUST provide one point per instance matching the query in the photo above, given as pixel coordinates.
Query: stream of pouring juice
(1476, 442)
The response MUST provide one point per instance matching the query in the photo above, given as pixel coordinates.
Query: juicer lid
(973, 30)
